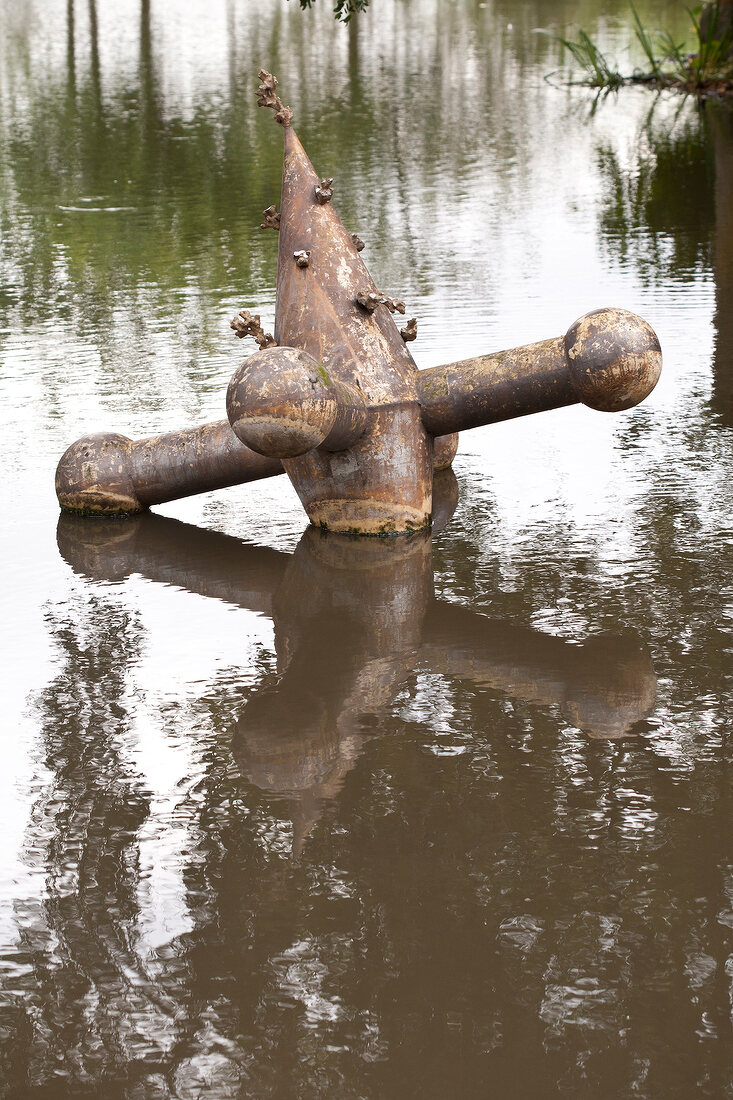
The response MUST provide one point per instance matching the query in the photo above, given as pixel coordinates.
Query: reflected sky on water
(284, 817)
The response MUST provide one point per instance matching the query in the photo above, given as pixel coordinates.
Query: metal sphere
(280, 402)
(614, 359)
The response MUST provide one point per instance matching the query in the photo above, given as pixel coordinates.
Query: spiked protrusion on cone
(324, 191)
(267, 97)
(272, 218)
(248, 324)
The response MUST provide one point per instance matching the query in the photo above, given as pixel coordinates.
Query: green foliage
(709, 65)
(344, 8)
(646, 44)
(589, 57)
(672, 51)
(713, 57)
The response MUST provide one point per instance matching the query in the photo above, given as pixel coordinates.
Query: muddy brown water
(284, 816)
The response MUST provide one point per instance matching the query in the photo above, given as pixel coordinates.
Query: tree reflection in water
(720, 125)
(670, 213)
(85, 979)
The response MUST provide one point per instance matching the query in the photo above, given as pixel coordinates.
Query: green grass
(645, 41)
(708, 66)
(589, 57)
(713, 56)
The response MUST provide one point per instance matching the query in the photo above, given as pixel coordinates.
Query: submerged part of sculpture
(335, 400)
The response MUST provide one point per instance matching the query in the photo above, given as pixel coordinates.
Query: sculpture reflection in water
(354, 620)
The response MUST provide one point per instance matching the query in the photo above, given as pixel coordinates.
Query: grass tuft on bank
(706, 69)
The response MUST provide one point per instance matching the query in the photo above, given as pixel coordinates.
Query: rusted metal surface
(609, 359)
(444, 451)
(335, 399)
(283, 403)
(109, 474)
(382, 484)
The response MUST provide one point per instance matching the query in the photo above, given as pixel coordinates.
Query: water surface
(285, 817)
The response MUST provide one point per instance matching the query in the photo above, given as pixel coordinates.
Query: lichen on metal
(334, 398)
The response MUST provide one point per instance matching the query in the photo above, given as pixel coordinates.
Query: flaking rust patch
(343, 464)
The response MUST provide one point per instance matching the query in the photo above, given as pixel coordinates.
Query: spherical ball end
(280, 402)
(95, 476)
(613, 686)
(614, 359)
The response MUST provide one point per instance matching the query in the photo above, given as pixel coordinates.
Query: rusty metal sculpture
(335, 399)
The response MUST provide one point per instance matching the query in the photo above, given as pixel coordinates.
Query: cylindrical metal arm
(109, 474)
(609, 359)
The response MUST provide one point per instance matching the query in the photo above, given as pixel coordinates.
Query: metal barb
(369, 301)
(409, 332)
(267, 97)
(272, 218)
(358, 242)
(248, 324)
(324, 191)
(303, 257)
